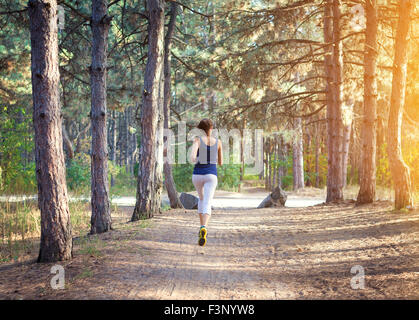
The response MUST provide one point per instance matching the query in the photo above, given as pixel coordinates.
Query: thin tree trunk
(112, 136)
(167, 167)
(282, 159)
(297, 156)
(121, 131)
(146, 205)
(353, 155)
(317, 152)
(307, 151)
(127, 140)
(399, 170)
(266, 149)
(56, 235)
(368, 132)
(262, 172)
(345, 146)
(101, 215)
(275, 166)
(268, 164)
(67, 143)
(242, 164)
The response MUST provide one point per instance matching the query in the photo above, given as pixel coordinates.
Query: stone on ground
(189, 201)
(276, 198)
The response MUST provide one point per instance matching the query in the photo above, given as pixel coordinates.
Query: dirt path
(288, 253)
(251, 198)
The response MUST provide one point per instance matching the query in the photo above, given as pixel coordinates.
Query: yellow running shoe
(202, 236)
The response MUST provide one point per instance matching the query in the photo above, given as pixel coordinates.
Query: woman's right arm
(194, 150)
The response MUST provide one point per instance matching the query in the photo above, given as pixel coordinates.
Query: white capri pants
(205, 185)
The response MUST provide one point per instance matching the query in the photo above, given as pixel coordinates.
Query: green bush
(78, 174)
(16, 141)
(124, 183)
(229, 177)
(182, 175)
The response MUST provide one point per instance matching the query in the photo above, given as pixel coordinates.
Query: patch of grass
(85, 273)
(20, 226)
(90, 247)
(251, 177)
(165, 207)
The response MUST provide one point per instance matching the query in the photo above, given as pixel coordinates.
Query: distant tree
(101, 215)
(399, 170)
(297, 156)
(146, 204)
(56, 236)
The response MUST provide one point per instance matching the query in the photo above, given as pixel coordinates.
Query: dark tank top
(207, 158)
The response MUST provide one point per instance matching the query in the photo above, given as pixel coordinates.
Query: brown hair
(206, 125)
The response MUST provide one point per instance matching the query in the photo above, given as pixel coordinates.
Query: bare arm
(194, 151)
(220, 153)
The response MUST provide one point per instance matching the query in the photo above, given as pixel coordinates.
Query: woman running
(206, 152)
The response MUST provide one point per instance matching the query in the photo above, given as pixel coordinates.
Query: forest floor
(273, 253)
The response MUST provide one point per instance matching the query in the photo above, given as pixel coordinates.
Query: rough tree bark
(146, 204)
(399, 170)
(56, 235)
(366, 192)
(159, 163)
(101, 214)
(333, 68)
(167, 167)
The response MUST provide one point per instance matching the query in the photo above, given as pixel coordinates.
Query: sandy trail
(284, 253)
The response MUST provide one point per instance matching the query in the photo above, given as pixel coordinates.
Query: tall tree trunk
(399, 170)
(112, 143)
(345, 147)
(262, 172)
(268, 163)
(282, 159)
(297, 156)
(276, 157)
(317, 153)
(119, 149)
(333, 68)
(242, 164)
(307, 151)
(56, 235)
(101, 214)
(368, 132)
(127, 139)
(146, 204)
(159, 165)
(168, 175)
